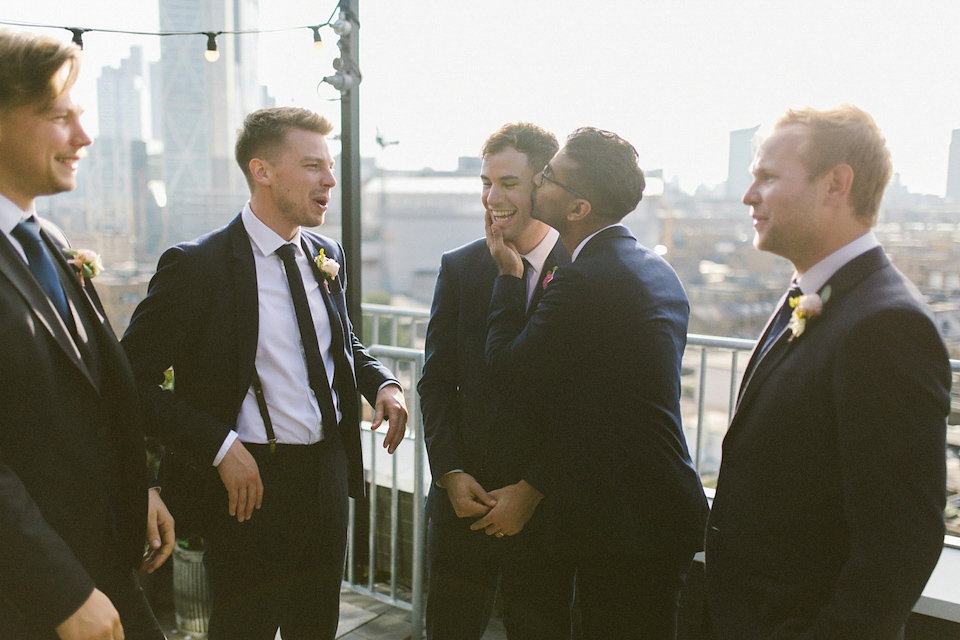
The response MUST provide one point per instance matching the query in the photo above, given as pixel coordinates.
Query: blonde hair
(264, 131)
(846, 135)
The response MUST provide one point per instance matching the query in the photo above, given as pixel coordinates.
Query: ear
(839, 182)
(260, 171)
(579, 210)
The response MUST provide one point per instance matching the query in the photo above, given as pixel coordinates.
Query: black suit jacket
(200, 317)
(467, 424)
(828, 516)
(599, 362)
(72, 463)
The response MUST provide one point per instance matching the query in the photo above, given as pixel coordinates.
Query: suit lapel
(334, 312)
(15, 269)
(246, 301)
(848, 277)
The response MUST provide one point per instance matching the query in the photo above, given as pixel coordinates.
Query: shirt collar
(538, 255)
(587, 239)
(11, 215)
(265, 239)
(818, 275)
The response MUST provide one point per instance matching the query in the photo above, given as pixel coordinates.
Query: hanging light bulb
(77, 35)
(211, 54)
(317, 40)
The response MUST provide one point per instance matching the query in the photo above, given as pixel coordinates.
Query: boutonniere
(328, 267)
(547, 278)
(86, 262)
(805, 307)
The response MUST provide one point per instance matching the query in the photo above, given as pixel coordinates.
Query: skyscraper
(738, 165)
(199, 107)
(953, 168)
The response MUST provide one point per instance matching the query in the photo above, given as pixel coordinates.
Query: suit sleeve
(438, 387)
(524, 358)
(891, 393)
(160, 330)
(38, 571)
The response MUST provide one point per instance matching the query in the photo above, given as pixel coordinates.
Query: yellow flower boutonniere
(328, 267)
(805, 307)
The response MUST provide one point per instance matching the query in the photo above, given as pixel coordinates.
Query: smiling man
(74, 504)
(828, 516)
(478, 442)
(253, 320)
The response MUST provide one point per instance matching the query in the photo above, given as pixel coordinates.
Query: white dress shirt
(291, 404)
(536, 258)
(10, 216)
(817, 275)
(583, 242)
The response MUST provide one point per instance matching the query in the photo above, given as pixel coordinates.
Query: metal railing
(712, 368)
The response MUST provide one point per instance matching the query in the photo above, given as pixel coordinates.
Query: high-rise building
(199, 107)
(738, 165)
(953, 168)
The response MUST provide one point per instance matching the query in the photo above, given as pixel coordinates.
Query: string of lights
(339, 27)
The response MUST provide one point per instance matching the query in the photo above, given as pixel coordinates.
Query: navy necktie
(526, 282)
(316, 372)
(41, 264)
(780, 321)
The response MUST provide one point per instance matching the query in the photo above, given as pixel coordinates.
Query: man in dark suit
(598, 363)
(252, 318)
(73, 475)
(479, 442)
(828, 516)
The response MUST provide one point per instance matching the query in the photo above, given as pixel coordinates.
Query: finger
(233, 497)
(252, 492)
(482, 523)
(378, 415)
(241, 502)
(259, 500)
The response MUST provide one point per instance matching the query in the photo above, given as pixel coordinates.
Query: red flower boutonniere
(547, 278)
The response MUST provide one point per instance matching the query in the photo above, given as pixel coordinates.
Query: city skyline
(673, 79)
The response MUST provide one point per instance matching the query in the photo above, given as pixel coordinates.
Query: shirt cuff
(227, 442)
(387, 383)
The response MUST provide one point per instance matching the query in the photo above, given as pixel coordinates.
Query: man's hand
(468, 498)
(160, 536)
(96, 619)
(391, 405)
(503, 252)
(241, 477)
(515, 506)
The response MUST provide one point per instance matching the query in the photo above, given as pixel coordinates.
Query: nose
(751, 197)
(328, 180)
(79, 135)
(494, 195)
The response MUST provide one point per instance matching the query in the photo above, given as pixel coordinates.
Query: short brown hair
(846, 135)
(607, 171)
(538, 144)
(28, 64)
(264, 132)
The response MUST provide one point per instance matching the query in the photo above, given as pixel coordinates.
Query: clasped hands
(501, 512)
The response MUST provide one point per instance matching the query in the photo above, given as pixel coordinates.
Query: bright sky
(673, 77)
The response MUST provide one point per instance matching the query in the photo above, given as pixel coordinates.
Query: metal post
(350, 161)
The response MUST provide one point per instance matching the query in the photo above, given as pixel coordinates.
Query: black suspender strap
(262, 404)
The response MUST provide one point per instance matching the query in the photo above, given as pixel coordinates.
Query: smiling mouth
(70, 161)
(501, 216)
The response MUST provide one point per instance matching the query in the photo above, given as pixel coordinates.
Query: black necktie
(780, 320)
(41, 264)
(316, 372)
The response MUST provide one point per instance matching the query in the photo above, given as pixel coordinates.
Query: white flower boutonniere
(805, 307)
(328, 267)
(86, 262)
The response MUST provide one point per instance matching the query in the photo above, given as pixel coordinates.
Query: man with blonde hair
(74, 504)
(828, 515)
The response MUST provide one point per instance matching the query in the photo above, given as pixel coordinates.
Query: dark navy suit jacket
(599, 362)
(828, 516)
(200, 317)
(73, 476)
(467, 424)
